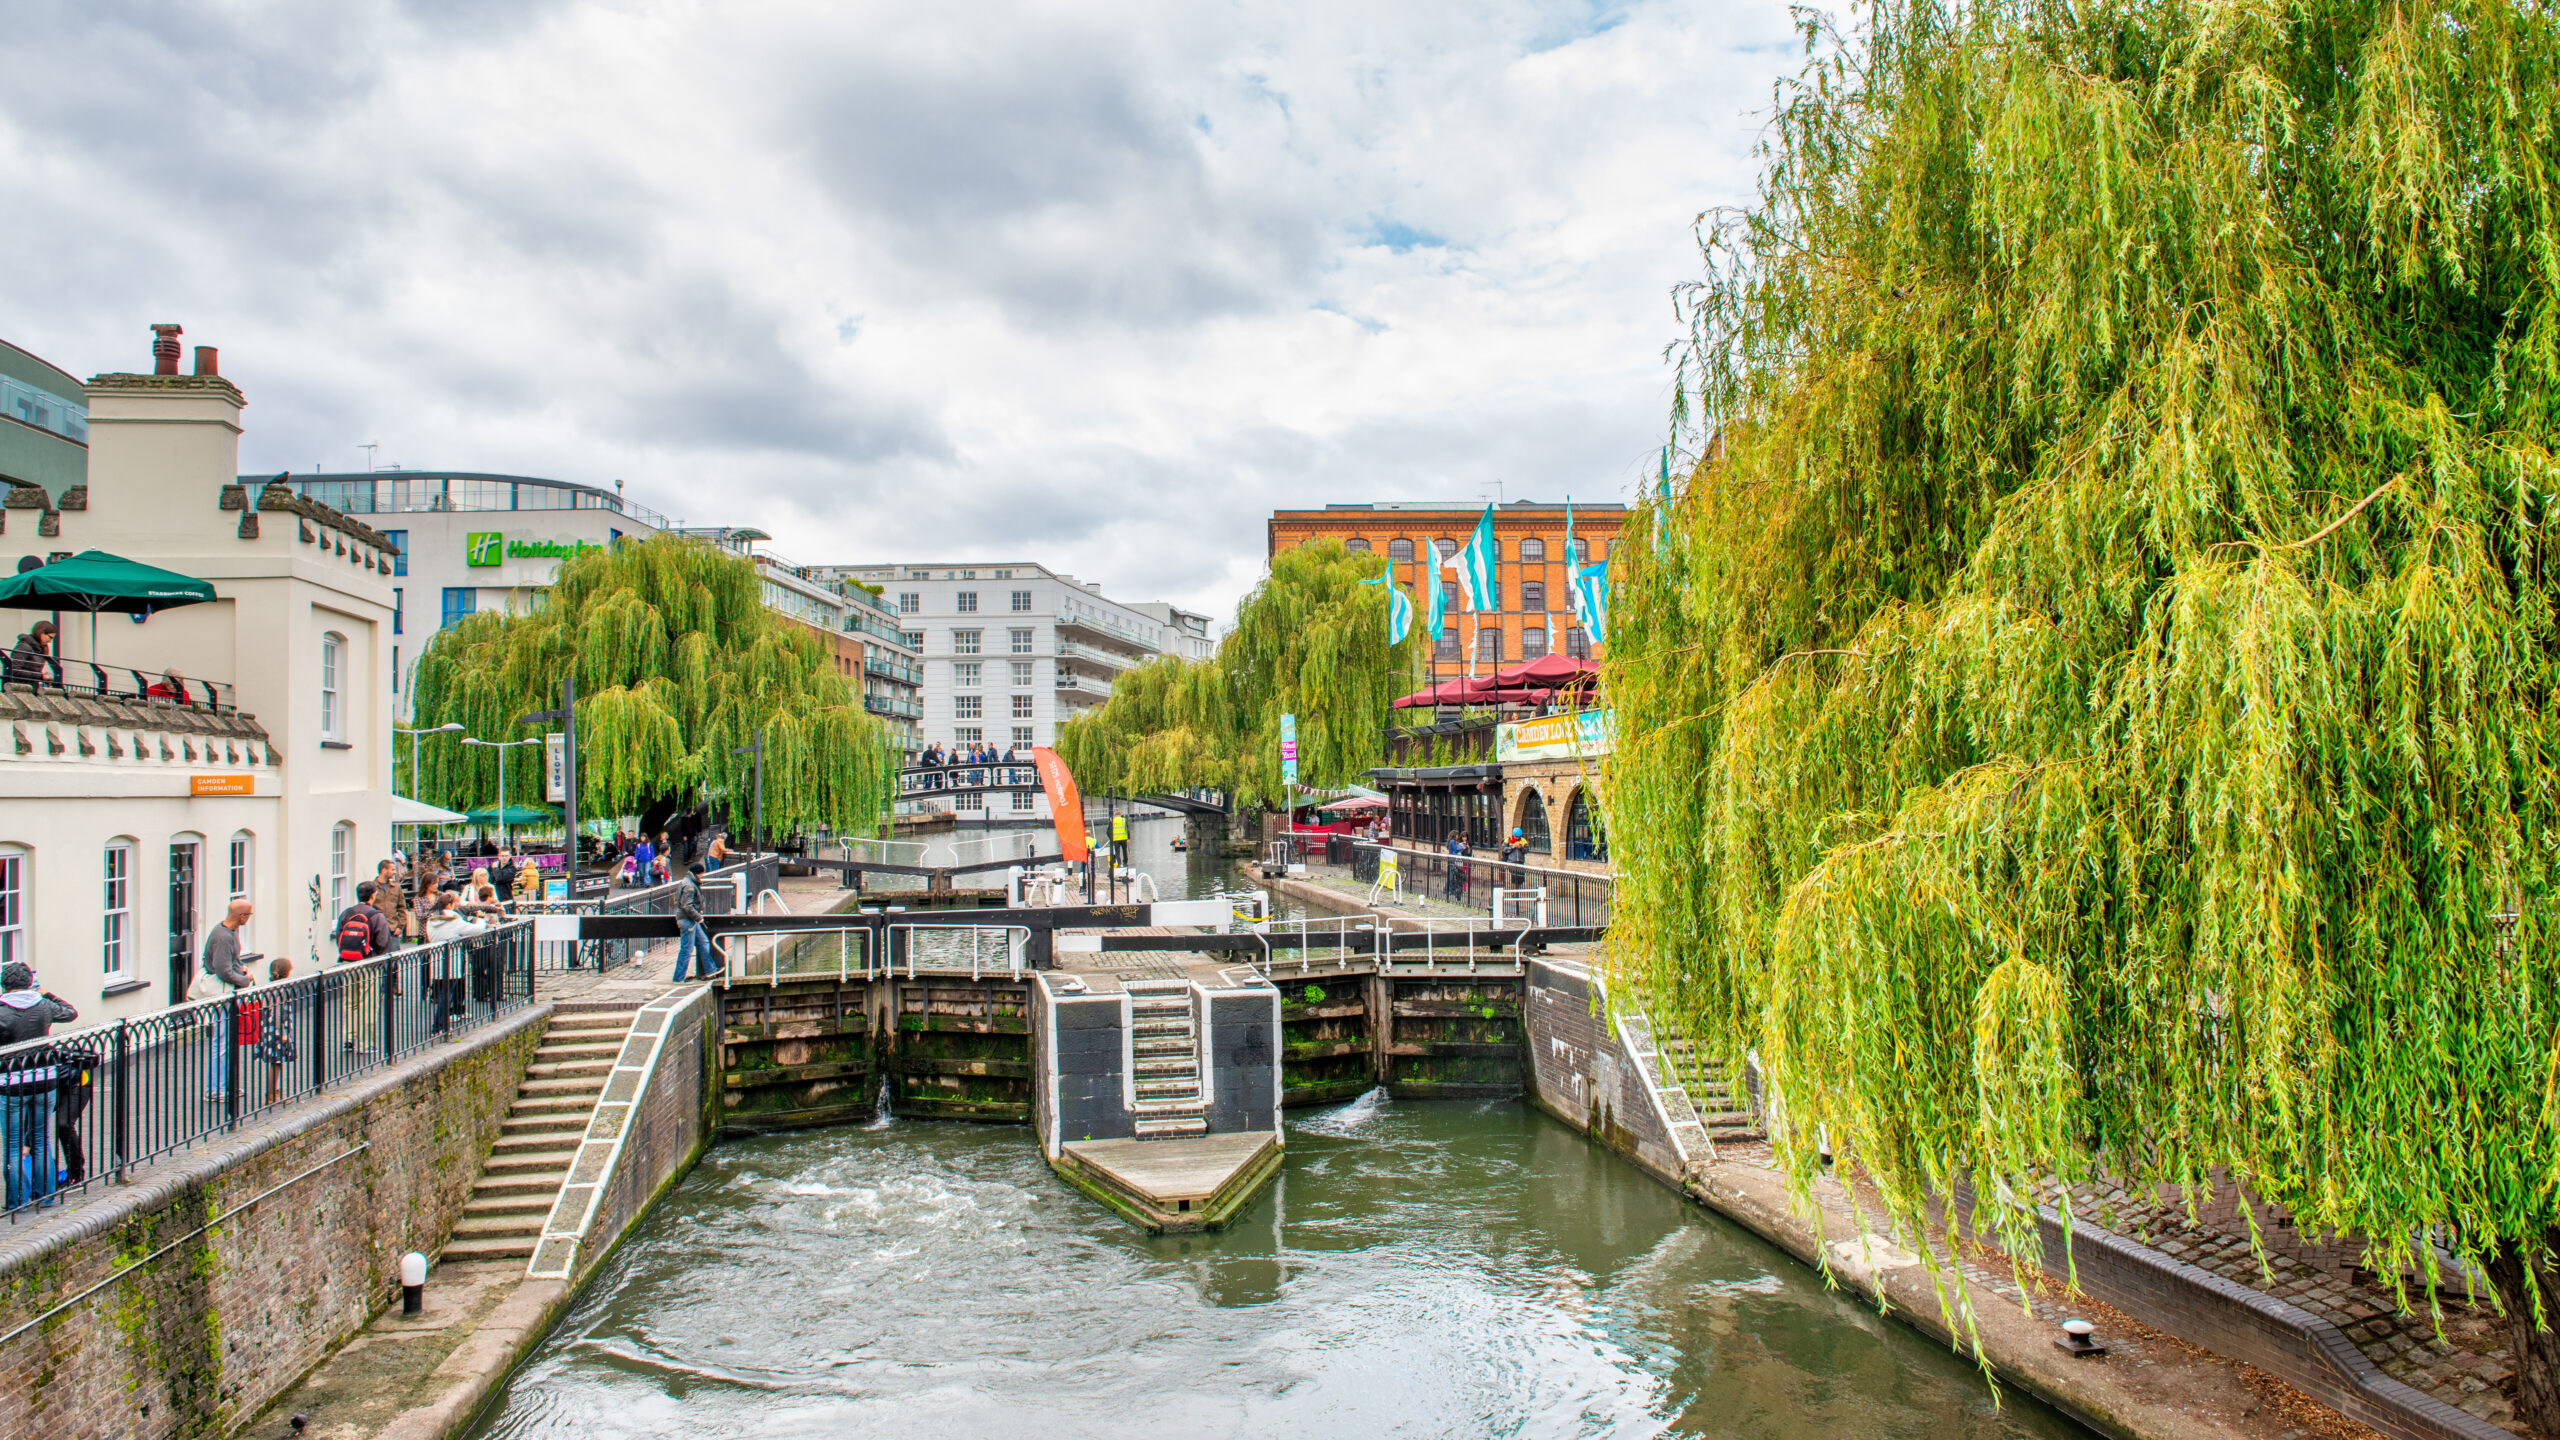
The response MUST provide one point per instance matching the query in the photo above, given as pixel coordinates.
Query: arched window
(1532, 549)
(333, 696)
(14, 877)
(239, 875)
(1443, 548)
(1584, 836)
(115, 929)
(1532, 821)
(1581, 551)
(1400, 550)
(1355, 546)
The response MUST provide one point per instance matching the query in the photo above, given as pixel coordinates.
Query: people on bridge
(644, 860)
(719, 854)
(1457, 848)
(693, 943)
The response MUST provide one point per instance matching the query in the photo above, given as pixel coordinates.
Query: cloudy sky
(1093, 284)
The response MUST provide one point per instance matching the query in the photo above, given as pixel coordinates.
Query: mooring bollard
(413, 1283)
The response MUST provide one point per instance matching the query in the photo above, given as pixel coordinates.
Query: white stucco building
(1011, 651)
(128, 822)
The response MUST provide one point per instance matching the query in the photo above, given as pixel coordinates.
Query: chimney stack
(208, 360)
(164, 349)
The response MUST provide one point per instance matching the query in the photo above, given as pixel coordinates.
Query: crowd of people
(934, 756)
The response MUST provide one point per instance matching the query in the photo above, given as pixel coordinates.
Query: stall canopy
(405, 811)
(515, 815)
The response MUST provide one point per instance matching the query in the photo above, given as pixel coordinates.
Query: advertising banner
(1288, 749)
(555, 767)
(1553, 737)
(1066, 808)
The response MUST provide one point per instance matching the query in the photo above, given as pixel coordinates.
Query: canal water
(1419, 1269)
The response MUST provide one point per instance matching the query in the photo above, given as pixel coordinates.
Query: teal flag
(1662, 496)
(1431, 582)
(1591, 600)
(1475, 566)
(1399, 609)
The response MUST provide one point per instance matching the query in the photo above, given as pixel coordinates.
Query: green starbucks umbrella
(94, 580)
(512, 814)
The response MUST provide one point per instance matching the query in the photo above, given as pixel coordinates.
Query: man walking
(361, 933)
(691, 939)
(391, 897)
(224, 962)
(27, 1088)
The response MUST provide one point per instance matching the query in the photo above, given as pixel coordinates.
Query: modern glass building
(44, 426)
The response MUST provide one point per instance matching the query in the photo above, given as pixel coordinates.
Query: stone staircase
(1722, 1108)
(1166, 1045)
(505, 1214)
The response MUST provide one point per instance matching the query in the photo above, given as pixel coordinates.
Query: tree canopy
(679, 664)
(2091, 707)
(1310, 641)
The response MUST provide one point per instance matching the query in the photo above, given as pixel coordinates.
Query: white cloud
(1098, 285)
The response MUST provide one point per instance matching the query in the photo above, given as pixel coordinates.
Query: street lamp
(451, 728)
(501, 746)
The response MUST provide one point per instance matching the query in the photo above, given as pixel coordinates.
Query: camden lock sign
(1554, 737)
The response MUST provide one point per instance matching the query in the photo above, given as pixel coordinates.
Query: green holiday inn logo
(485, 547)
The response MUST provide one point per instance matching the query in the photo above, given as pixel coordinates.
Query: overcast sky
(1097, 285)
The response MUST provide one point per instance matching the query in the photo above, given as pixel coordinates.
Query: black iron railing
(114, 682)
(91, 1104)
(1468, 882)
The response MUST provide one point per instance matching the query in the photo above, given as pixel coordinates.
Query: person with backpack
(361, 932)
(28, 1081)
(691, 939)
(276, 1028)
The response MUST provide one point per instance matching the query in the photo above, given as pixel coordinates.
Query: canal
(1420, 1268)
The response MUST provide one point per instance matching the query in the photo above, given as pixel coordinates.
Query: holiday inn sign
(488, 547)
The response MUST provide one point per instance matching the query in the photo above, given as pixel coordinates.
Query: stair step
(547, 1123)
(539, 1142)
(1169, 1090)
(1181, 1065)
(1167, 1127)
(526, 1204)
(529, 1162)
(531, 1182)
(512, 1248)
(575, 1103)
(569, 1085)
(499, 1227)
(552, 1053)
(559, 1070)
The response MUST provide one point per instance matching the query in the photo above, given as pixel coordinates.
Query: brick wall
(1580, 1075)
(193, 1340)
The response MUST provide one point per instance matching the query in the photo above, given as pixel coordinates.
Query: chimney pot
(164, 349)
(208, 360)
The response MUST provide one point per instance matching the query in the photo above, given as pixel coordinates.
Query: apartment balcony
(1084, 689)
(891, 667)
(896, 706)
(1111, 660)
(1129, 648)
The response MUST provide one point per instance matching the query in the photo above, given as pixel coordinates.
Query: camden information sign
(1554, 737)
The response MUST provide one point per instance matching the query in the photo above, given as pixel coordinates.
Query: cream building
(128, 822)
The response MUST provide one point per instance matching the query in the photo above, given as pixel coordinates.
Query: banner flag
(1475, 566)
(1066, 808)
(1399, 609)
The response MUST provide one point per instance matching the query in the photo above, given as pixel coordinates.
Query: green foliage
(2093, 706)
(678, 665)
(1311, 640)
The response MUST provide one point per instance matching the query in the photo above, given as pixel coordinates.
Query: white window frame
(967, 735)
(966, 674)
(342, 856)
(965, 601)
(1020, 639)
(968, 707)
(1022, 707)
(969, 800)
(15, 862)
(1021, 602)
(909, 602)
(333, 707)
(115, 924)
(965, 642)
(1021, 671)
(1021, 801)
(239, 877)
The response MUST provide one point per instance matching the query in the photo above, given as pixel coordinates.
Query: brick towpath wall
(206, 1325)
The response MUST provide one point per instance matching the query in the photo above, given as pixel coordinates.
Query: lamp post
(415, 736)
(501, 746)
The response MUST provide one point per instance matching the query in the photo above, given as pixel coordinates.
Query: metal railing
(91, 1104)
(1469, 882)
(957, 949)
(943, 779)
(117, 682)
(876, 948)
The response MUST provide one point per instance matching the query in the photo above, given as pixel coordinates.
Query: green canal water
(1419, 1269)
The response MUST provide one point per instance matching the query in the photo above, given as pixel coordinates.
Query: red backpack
(355, 937)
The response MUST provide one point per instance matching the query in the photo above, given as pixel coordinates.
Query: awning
(94, 580)
(515, 815)
(405, 811)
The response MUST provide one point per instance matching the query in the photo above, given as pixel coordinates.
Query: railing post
(121, 1121)
(227, 1038)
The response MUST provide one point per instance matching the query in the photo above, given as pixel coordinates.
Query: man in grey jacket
(224, 962)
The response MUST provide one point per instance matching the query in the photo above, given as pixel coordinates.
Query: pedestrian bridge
(918, 781)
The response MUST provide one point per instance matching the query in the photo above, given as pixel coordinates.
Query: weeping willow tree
(2090, 712)
(679, 665)
(1310, 641)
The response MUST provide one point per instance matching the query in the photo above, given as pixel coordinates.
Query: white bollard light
(413, 1283)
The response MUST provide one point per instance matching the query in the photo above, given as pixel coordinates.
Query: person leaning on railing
(29, 1080)
(225, 972)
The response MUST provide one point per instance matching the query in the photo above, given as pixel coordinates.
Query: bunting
(1399, 609)
(1474, 562)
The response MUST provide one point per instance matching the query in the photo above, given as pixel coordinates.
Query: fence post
(120, 1121)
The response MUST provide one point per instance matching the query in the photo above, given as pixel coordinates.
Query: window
(342, 858)
(1584, 836)
(117, 936)
(1533, 643)
(1022, 737)
(1355, 546)
(1581, 551)
(969, 800)
(964, 673)
(1449, 597)
(1532, 549)
(1447, 647)
(1021, 641)
(965, 642)
(1399, 549)
(1443, 548)
(395, 669)
(459, 601)
(1489, 647)
(1577, 644)
(1533, 596)
(13, 908)
(399, 551)
(235, 882)
(968, 735)
(333, 699)
(1021, 707)
(965, 601)
(968, 707)
(1532, 821)
(1021, 602)
(912, 639)
(909, 602)
(1021, 671)
(1022, 802)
